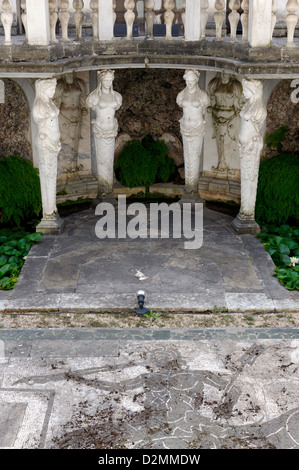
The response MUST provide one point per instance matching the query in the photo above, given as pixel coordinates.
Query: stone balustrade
(46, 22)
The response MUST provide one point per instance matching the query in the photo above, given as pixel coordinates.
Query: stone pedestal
(245, 224)
(107, 198)
(191, 198)
(53, 224)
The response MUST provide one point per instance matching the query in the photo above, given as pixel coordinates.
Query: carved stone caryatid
(78, 18)
(45, 114)
(70, 98)
(94, 16)
(150, 16)
(291, 21)
(219, 17)
(251, 141)
(244, 19)
(53, 20)
(7, 20)
(168, 17)
(64, 18)
(234, 18)
(226, 97)
(204, 5)
(194, 102)
(129, 17)
(104, 102)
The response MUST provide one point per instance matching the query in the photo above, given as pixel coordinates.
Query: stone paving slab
(76, 271)
(149, 389)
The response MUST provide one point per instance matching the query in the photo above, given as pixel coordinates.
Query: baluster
(168, 17)
(219, 17)
(53, 20)
(274, 19)
(114, 12)
(94, 6)
(291, 20)
(78, 18)
(204, 5)
(184, 14)
(7, 19)
(24, 16)
(150, 16)
(244, 19)
(129, 17)
(64, 18)
(234, 18)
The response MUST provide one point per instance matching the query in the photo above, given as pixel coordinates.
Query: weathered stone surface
(234, 57)
(150, 113)
(14, 112)
(120, 142)
(99, 388)
(175, 147)
(283, 112)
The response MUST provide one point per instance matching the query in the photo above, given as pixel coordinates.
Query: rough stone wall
(149, 101)
(14, 122)
(282, 112)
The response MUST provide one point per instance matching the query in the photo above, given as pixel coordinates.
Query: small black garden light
(140, 298)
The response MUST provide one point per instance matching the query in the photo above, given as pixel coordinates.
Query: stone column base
(191, 198)
(110, 198)
(245, 225)
(51, 225)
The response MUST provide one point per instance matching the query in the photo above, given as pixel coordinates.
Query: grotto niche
(149, 108)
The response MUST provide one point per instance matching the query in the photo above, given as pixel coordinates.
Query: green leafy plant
(152, 315)
(278, 190)
(282, 243)
(144, 163)
(20, 196)
(14, 248)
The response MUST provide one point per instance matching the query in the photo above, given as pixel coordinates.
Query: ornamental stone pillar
(194, 102)
(192, 20)
(104, 102)
(38, 22)
(260, 23)
(253, 117)
(45, 115)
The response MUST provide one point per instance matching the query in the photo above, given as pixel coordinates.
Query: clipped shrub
(20, 195)
(144, 163)
(278, 189)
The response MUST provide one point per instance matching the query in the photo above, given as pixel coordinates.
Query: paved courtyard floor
(148, 388)
(76, 271)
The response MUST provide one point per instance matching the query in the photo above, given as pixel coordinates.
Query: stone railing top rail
(54, 35)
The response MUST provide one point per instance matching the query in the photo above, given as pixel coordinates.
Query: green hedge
(20, 196)
(278, 190)
(144, 163)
